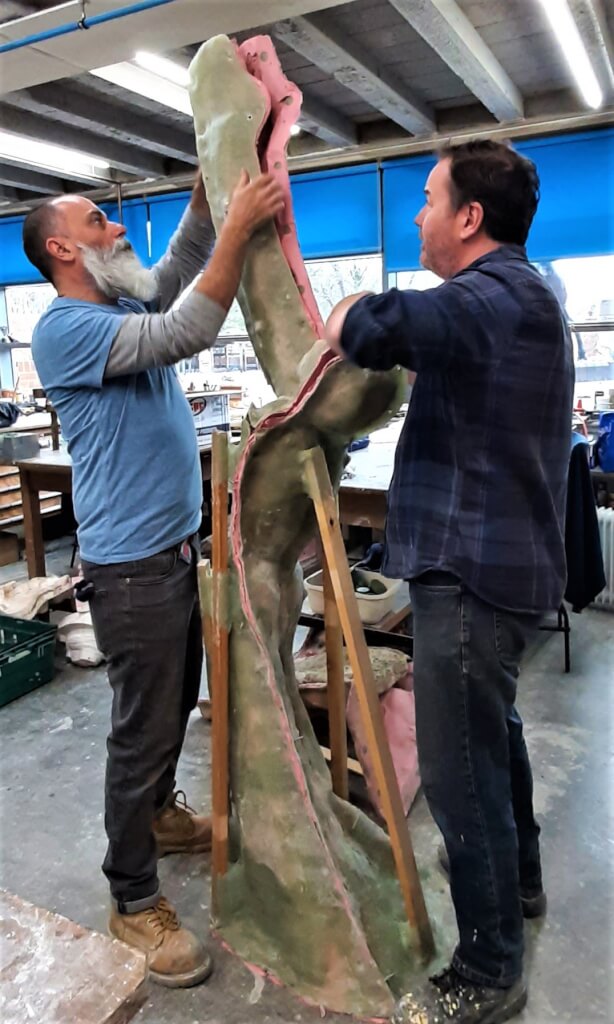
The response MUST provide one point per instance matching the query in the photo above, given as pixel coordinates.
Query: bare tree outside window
(333, 279)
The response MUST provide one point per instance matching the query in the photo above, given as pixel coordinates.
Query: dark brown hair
(38, 226)
(505, 184)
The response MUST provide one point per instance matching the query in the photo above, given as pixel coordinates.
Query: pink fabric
(285, 100)
(399, 714)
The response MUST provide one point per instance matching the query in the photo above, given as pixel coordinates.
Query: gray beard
(118, 271)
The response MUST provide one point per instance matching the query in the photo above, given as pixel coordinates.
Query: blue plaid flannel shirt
(480, 475)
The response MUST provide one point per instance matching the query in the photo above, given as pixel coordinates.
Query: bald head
(39, 225)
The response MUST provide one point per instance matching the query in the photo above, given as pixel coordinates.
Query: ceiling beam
(451, 35)
(155, 29)
(32, 181)
(318, 158)
(351, 65)
(11, 9)
(327, 124)
(128, 159)
(8, 194)
(590, 18)
(316, 117)
(70, 106)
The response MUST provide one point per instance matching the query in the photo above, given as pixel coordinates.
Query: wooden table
(49, 471)
(52, 471)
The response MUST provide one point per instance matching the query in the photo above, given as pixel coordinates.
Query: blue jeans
(475, 767)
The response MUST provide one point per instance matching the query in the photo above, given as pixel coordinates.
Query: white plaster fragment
(63, 725)
(256, 993)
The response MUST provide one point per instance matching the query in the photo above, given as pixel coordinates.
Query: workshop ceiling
(379, 78)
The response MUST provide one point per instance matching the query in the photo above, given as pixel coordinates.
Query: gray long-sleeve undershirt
(145, 340)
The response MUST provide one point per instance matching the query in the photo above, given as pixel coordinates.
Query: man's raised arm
(145, 340)
(188, 250)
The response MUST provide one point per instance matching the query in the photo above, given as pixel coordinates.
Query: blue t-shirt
(137, 486)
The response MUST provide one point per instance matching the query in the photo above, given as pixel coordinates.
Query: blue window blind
(165, 212)
(404, 182)
(337, 212)
(15, 267)
(575, 216)
(134, 215)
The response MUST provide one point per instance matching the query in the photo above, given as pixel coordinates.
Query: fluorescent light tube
(574, 51)
(163, 67)
(152, 77)
(25, 150)
(146, 83)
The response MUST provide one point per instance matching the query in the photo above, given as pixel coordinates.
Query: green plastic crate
(26, 656)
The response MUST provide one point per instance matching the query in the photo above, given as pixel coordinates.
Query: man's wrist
(235, 234)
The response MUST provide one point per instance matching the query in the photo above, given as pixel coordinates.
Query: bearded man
(104, 351)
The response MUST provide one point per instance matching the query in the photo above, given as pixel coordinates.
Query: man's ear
(473, 220)
(60, 250)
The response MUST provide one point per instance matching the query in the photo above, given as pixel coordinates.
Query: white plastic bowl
(371, 607)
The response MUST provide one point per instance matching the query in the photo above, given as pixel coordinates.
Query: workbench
(364, 489)
(52, 471)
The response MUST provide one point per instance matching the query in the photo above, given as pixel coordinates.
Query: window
(333, 279)
(585, 289)
(25, 304)
(220, 359)
(419, 280)
(234, 361)
(234, 324)
(191, 365)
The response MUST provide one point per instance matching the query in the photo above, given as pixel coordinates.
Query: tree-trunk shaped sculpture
(311, 894)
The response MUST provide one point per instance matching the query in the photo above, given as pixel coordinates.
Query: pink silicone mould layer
(284, 100)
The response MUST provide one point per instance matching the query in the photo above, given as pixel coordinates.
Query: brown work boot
(175, 957)
(178, 829)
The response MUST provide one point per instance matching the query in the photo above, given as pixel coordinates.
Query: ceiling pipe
(83, 23)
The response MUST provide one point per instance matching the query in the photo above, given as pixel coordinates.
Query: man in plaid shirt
(475, 523)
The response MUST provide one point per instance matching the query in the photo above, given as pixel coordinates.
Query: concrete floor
(52, 838)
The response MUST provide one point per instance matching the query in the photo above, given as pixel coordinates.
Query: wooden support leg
(320, 489)
(218, 656)
(335, 689)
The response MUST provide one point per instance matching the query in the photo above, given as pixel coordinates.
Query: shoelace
(163, 917)
(183, 805)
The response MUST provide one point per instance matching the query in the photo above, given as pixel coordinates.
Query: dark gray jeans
(147, 623)
(475, 767)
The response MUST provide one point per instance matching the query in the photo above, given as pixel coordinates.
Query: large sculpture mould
(311, 894)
